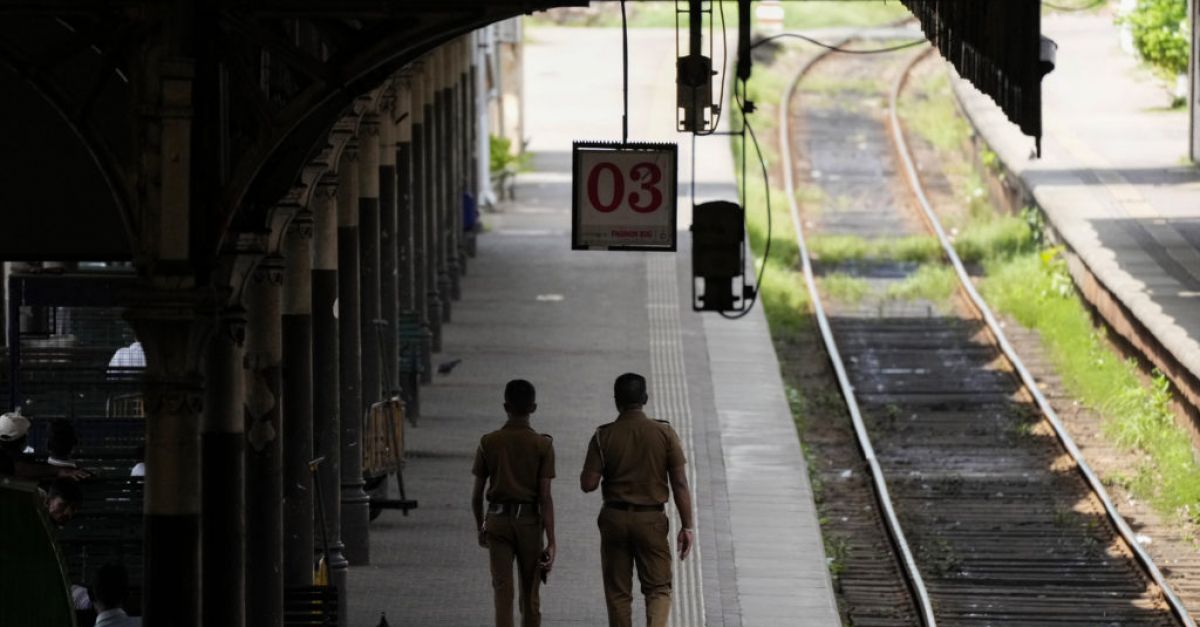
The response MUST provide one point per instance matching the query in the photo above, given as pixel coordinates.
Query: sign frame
(670, 192)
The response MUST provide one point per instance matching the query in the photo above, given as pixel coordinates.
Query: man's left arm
(479, 469)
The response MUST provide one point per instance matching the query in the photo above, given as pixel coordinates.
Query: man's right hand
(483, 542)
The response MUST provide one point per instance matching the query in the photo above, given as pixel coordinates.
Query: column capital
(269, 271)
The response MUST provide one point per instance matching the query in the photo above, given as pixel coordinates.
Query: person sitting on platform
(110, 589)
(61, 443)
(15, 462)
(62, 499)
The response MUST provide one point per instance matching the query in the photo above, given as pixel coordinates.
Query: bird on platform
(445, 367)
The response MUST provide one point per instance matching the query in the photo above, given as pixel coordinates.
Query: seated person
(62, 499)
(110, 589)
(16, 462)
(131, 356)
(61, 443)
(139, 469)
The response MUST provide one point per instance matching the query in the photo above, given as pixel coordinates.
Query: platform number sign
(624, 196)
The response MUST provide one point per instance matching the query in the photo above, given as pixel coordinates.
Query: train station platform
(1115, 185)
(570, 322)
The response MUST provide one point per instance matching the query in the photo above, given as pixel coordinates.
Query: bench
(310, 606)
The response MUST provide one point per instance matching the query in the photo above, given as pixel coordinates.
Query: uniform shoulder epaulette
(604, 426)
(665, 422)
(547, 436)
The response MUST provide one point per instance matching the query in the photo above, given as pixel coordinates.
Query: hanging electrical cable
(748, 128)
(910, 44)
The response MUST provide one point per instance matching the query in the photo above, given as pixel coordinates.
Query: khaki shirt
(515, 459)
(634, 454)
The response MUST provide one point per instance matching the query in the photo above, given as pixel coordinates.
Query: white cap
(13, 426)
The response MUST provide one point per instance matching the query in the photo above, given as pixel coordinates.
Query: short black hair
(520, 394)
(629, 389)
(66, 489)
(61, 440)
(110, 586)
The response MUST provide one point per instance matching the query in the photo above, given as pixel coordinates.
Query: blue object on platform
(470, 212)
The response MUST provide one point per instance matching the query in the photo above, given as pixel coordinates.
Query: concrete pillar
(264, 450)
(431, 201)
(223, 524)
(173, 338)
(326, 392)
(389, 271)
(298, 410)
(355, 502)
(369, 259)
(409, 347)
(1194, 81)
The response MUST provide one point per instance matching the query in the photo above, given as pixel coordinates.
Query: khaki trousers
(635, 538)
(517, 538)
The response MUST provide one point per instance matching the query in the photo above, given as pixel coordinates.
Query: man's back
(634, 454)
(513, 457)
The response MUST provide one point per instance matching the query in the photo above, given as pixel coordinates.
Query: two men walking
(634, 460)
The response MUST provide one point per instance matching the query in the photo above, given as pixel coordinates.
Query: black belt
(513, 509)
(631, 507)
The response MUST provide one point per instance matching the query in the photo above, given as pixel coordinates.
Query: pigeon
(446, 366)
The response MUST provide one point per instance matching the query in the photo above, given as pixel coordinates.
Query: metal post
(297, 324)
(326, 394)
(1194, 83)
(264, 454)
(431, 200)
(355, 502)
(419, 205)
(223, 520)
(388, 259)
(369, 258)
(446, 260)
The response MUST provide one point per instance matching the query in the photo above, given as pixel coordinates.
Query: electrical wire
(1083, 7)
(767, 187)
(822, 44)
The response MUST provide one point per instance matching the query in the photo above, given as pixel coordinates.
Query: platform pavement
(1113, 181)
(570, 322)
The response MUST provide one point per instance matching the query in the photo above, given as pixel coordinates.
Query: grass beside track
(1021, 280)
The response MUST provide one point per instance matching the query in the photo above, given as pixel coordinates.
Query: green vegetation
(844, 287)
(1160, 34)
(834, 249)
(1036, 290)
(931, 282)
(500, 154)
(1000, 237)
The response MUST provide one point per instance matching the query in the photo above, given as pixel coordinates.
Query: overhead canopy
(996, 45)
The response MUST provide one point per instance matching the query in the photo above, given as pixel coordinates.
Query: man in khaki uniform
(636, 457)
(517, 464)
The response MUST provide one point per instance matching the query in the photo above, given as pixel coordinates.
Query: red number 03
(646, 174)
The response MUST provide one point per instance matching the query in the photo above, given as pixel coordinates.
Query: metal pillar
(326, 392)
(389, 297)
(1194, 83)
(223, 520)
(431, 202)
(420, 211)
(355, 502)
(264, 454)
(172, 337)
(298, 410)
(453, 226)
(443, 184)
(409, 347)
(369, 260)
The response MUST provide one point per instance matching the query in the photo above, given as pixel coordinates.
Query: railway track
(960, 499)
